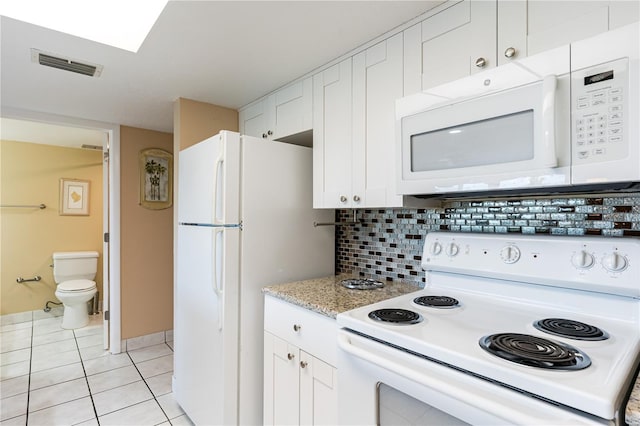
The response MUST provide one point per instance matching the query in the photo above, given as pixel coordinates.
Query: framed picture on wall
(156, 180)
(74, 197)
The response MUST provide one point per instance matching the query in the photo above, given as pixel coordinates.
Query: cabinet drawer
(308, 330)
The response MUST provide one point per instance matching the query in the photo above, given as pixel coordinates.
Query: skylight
(119, 23)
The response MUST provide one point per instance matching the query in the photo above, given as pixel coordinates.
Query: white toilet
(74, 273)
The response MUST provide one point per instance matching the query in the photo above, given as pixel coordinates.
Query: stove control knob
(436, 248)
(582, 260)
(452, 249)
(615, 262)
(510, 254)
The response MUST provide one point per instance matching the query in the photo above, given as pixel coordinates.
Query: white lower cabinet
(299, 386)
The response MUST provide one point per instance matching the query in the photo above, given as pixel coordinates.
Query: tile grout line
(95, 411)
(26, 422)
(147, 385)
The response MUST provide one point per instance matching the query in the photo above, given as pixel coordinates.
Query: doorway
(110, 144)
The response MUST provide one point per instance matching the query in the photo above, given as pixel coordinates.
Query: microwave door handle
(548, 157)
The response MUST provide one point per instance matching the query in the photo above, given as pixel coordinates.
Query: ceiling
(227, 53)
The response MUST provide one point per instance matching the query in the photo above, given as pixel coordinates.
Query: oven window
(505, 139)
(397, 408)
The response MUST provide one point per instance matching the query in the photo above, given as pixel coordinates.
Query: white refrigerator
(245, 220)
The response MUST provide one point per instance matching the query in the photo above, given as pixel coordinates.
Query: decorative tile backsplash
(387, 243)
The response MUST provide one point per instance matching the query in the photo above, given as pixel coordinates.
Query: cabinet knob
(481, 62)
(343, 199)
(356, 198)
(303, 364)
(264, 136)
(510, 52)
(290, 356)
(269, 133)
(296, 327)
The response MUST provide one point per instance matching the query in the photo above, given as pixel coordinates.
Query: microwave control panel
(599, 104)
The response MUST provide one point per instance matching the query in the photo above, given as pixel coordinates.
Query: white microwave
(556, 120)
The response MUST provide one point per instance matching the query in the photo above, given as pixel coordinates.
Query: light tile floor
(51, 376)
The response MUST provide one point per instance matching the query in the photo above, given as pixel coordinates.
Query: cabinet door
(318, 393)
(253, 119)
(281, 383)
(554, 23)
(377, 83)
(332, 137)
(447, 45)
(290, 109)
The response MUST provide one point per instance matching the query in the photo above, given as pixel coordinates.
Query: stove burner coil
(437, 301)
(570, 329)
(395, 316)
(361, 283)
(535, 351)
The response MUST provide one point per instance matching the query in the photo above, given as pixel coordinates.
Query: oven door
(383, 385)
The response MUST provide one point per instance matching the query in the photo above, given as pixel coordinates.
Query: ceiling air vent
(66, 64)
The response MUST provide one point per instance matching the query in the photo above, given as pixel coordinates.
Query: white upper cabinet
(554, 23)
(283, 113)
(472, 35)
(377, 83)
(332, 147)
(451, 44)
(354, 129)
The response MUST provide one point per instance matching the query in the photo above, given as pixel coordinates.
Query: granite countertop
(632, 412)
(327, 297)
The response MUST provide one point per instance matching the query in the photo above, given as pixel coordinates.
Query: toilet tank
(74, 265)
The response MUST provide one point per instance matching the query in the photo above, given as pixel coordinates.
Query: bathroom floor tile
(60, 359)
(53, 376)
(106, 363)
(15, 386)
(16, 369)
(15, 356)
(13, 406)
(156, 366)
(170, 406)
(68, 413)
(113, 379)
(51, 337)
(145, 413)
(150, 352)
(66, 377)
(92, 352)
(45, 351)
(57, 394)
(88, 341)
(121, 397)
(160, 384)
(182, 420)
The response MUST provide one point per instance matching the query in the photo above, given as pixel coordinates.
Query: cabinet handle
(296, 327)
(290, 356)
(269, 132)
(303, 364)
(343, 199)
(481, 62)
(356, 198)
(264, 136)
(510, 52)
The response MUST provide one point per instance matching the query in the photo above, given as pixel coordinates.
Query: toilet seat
(74, 286)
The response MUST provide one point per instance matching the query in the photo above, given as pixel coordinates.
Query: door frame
(111, 275)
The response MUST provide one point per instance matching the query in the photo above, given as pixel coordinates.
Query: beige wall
(195, 121)
(146, 238)
(30, 174)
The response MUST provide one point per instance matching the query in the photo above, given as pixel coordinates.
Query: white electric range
(510, 329)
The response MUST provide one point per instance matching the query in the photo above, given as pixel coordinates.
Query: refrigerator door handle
(217, 283)
(217, 200)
